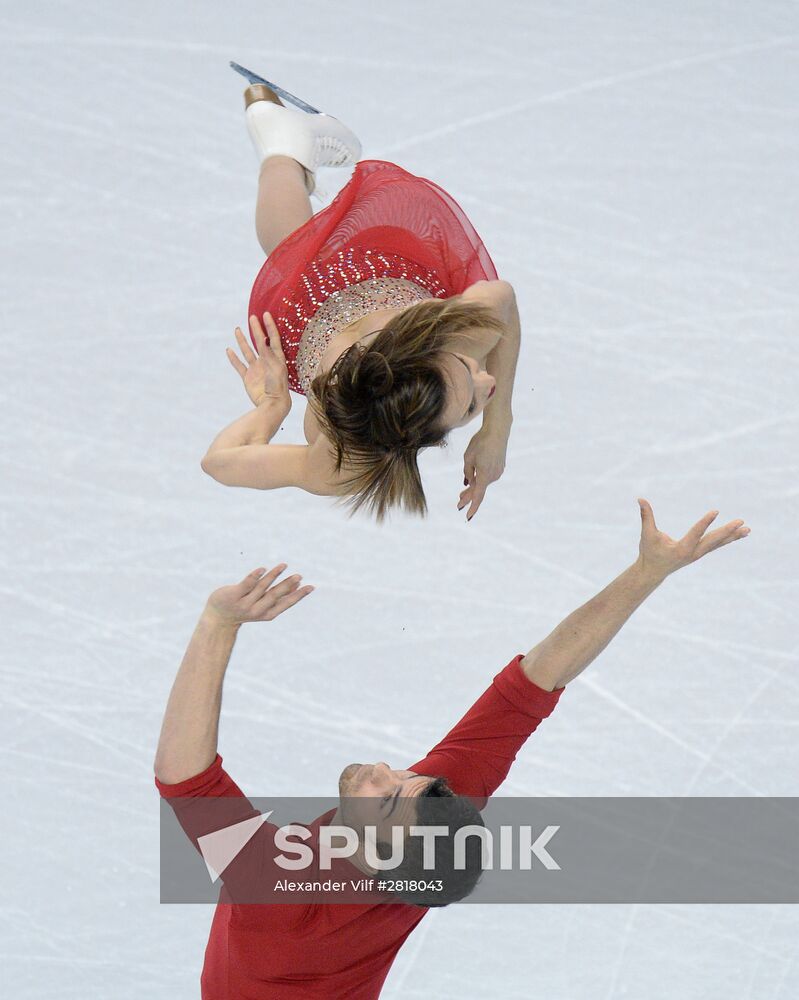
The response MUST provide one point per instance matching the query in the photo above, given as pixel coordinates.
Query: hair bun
(373, 374)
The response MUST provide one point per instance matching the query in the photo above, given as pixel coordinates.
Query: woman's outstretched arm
(484, 459)
(241, 455)
(501, 363)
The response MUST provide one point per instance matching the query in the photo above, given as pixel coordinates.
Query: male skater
(310, 951)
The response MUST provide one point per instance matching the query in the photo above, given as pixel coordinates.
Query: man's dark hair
(438, 805)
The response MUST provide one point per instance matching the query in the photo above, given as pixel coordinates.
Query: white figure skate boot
(313, 140)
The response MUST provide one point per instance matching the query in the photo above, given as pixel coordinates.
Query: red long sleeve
(476, 754)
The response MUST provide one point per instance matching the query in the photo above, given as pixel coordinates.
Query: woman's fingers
(244, 347)
(237, 364)
(273, 341)
(476, 501)
(271, 354)
(274, 334)
(259, 337)
(473, 495)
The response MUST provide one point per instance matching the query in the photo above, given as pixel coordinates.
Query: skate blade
(296, 101)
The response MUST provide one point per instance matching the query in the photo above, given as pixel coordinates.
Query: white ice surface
(632, 169)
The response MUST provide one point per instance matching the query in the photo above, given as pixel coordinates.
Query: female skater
(384, 309)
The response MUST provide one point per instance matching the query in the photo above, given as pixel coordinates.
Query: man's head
(375, 795)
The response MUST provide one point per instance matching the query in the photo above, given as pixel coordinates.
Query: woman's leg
(283, 204)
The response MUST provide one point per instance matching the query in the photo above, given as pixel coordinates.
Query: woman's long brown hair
(380, 404)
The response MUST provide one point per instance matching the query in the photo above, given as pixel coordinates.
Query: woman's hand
(257, 598)
(483, 464)
(659, 555)
(264, 374)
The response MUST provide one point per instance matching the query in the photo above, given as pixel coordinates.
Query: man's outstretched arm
(582, 636)
(188, 741)
(477, 752)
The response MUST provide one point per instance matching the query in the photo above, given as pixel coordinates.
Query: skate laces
(330, 151)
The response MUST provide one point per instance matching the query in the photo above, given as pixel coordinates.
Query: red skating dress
(389, 239)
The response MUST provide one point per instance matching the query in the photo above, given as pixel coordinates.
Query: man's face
(375, 795)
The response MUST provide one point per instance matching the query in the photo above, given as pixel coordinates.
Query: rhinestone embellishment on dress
(343, 308)
(350, 285)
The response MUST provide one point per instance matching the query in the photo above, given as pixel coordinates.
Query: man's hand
(255, 599)
(582, 636)
(189, 732)
(483, 464)
(660, 555)
(264, 371)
